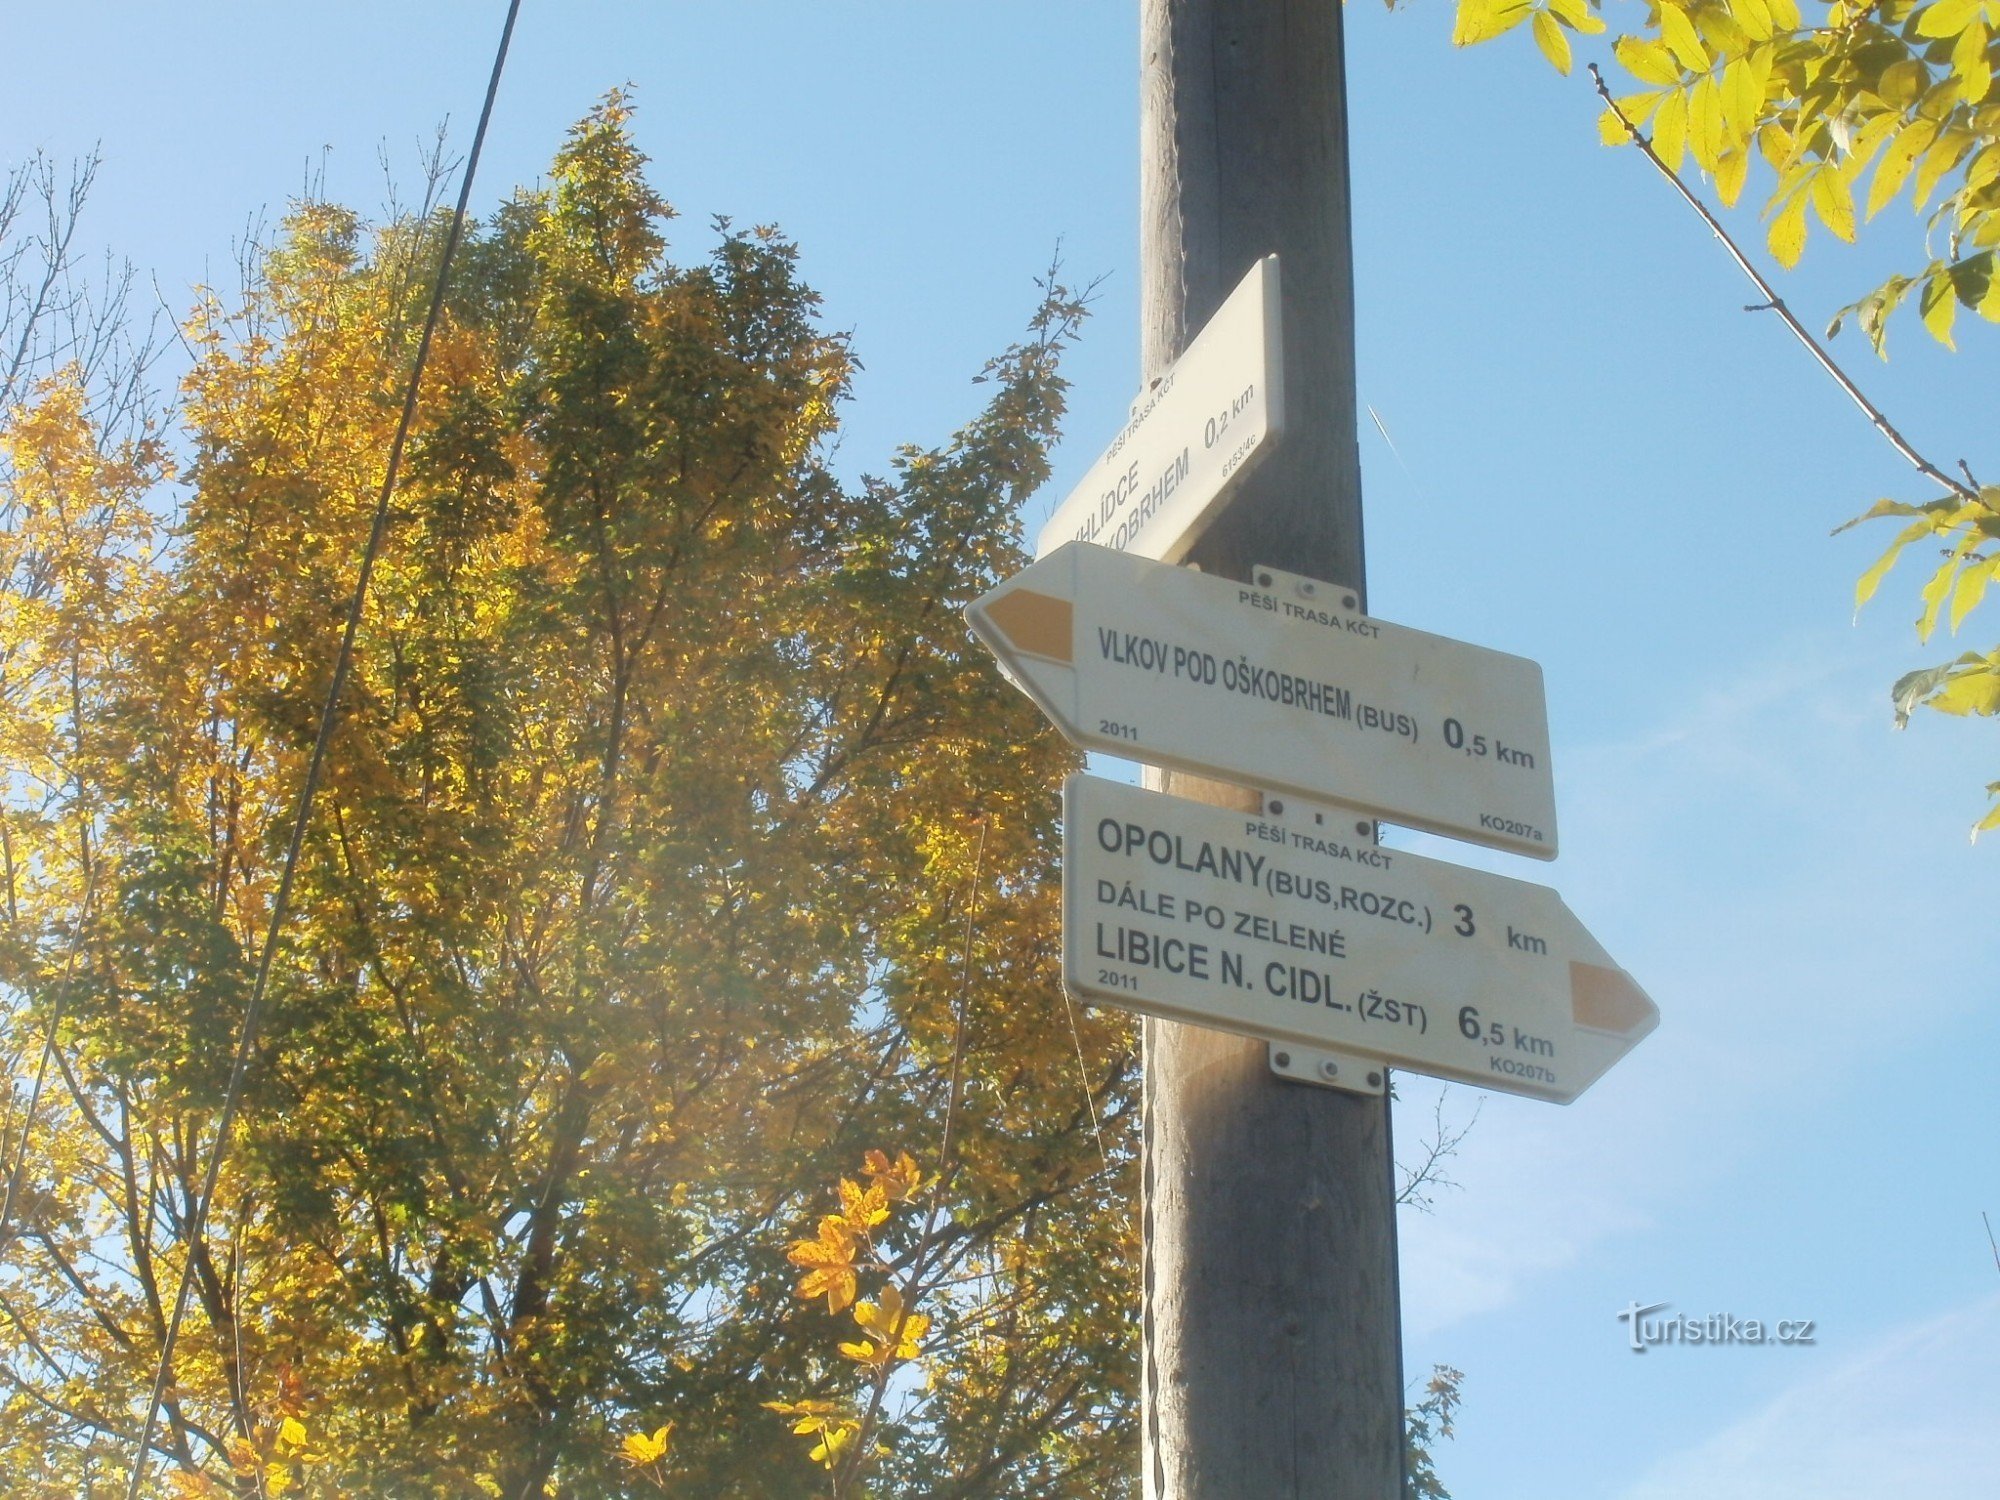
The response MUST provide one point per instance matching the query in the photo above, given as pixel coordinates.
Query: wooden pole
(1273, 1359)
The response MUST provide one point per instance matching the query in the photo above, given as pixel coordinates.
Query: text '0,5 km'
(1288, 932)
(1281, 688)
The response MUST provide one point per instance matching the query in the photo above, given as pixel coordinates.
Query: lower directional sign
(1292, 931)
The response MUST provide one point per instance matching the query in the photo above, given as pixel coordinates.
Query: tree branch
(1774, 303)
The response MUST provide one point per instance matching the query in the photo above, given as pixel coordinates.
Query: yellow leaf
(641, 1450)
(1787, 234)
(1975, 692)
(1578, 16)
(1864, 589)
(1896, 162)
(833, 1440)
(1754, 16)
(863, 1208)
(292, 1432)
(1777, 146)
(1833, 200)
(1678, 32)
(1705, 133)
(1988, 823)
(1670, 123)
(1785, 14)
(1945, 153)
(1938, 305)
(1549, 37)
(1482, 20)
(1730, 175)
(1647, 61)
(899, 1179)
(1971, 589)
(1948, 17)
(1968, 62)
(1740, 101)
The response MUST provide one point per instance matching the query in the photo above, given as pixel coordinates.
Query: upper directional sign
(1197, 430)
(1280, 688)
(1296, 930)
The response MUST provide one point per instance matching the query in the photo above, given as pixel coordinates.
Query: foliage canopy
(671, 827)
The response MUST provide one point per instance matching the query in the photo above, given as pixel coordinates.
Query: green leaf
(1549, 37)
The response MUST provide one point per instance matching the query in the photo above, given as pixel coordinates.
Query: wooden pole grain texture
(1273, 1353)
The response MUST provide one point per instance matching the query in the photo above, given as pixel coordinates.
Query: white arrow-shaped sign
(1192, 435)
(1282, 687)
(1298, 930)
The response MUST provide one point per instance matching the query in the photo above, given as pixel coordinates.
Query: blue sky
(1600, 461)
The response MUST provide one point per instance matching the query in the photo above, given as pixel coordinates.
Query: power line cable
(329, 713)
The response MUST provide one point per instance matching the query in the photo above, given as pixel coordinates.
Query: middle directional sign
(1282, 689)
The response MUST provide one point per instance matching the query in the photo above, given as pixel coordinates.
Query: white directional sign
(1296, 930)
(1282, 688)
(1191, 435)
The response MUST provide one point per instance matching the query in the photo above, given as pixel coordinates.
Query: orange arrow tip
(1605, 999)
(1036, 624)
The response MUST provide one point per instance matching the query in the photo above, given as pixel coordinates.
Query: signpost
(1280, 684)
(1195, 431)
(1291, 930)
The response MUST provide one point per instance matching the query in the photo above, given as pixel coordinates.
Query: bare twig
(1423, 1179)
(1774, 303)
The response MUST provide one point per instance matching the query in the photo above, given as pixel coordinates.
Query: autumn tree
(676, 850)
(1840, 110)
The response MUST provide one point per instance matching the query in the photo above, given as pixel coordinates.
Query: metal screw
(1308, 587)
(1362, 829)
(1283, 1059)
(1374, 1080)
(1329, 1069)
(1348, 602)
(1276, 806)
(1264, 580)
